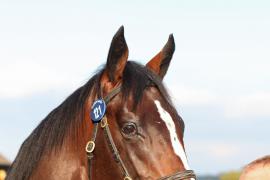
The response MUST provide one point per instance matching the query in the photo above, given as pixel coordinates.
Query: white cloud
(24, 78)
(223, 154)
(251, 105)
(234, 106)
(191, 96)
(219, 150)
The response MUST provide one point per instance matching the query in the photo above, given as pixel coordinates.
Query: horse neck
(69, 161)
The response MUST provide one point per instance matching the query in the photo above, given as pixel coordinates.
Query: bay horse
(120, 125)
(258, 169)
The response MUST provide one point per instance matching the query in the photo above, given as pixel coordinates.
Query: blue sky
(218, 78)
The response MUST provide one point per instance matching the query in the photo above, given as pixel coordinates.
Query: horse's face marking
(176, 144)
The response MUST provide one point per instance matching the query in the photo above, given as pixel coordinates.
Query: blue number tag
(98, 110)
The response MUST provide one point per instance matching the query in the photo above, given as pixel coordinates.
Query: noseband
(90, 146)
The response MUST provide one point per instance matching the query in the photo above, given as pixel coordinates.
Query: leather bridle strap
(112, 94)
(116, 155)
(108, 135)
(180, 175)
(90, 148)
(91, 144)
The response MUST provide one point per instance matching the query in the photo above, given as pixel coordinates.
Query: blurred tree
(231, 175)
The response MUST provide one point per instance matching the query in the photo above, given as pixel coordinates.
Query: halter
(90, 146)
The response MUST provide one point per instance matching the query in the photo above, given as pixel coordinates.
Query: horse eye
(129, 129)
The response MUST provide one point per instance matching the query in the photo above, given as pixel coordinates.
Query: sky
(218, 78)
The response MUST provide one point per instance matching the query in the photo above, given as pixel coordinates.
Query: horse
(258, 169)
(120, 125)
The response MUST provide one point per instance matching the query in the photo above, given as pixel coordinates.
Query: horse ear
(160, 63)
(117, 58)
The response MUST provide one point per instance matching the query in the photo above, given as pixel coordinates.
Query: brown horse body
(257, 170)
(145, 126)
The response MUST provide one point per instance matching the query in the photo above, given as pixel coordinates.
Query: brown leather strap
(180, 175)
(90, 154)
(112, 94)
(104, 124)
(113, 148)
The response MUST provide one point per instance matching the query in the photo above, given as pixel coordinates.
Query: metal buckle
(104, 122)
(90, 146)
(127, 178)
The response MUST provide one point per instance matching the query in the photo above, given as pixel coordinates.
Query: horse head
(145, 126)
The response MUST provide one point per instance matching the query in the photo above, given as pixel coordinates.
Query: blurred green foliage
(231, 175)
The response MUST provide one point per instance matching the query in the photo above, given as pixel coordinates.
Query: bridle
(90, 146)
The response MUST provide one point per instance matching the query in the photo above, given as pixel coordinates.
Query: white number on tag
(97, 111)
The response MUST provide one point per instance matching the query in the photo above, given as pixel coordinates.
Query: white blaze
(177, 146)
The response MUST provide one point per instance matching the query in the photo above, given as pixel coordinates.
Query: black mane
(66, 119)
